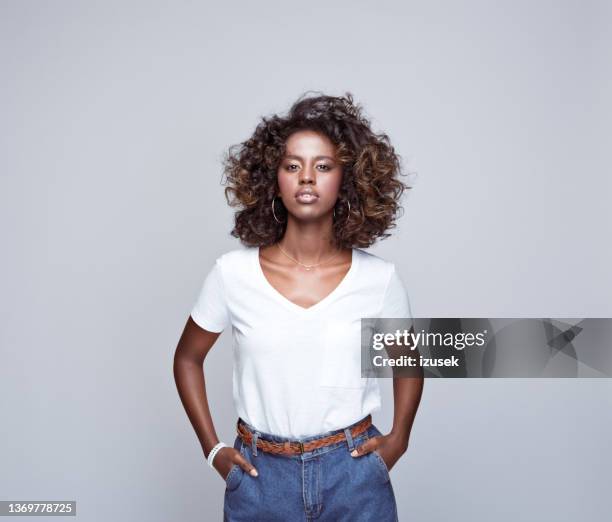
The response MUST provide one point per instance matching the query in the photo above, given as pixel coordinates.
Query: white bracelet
(214, 451)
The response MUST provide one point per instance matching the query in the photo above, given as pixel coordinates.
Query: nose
(307, 175)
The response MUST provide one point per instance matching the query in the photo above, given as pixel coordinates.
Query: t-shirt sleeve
(210, 310)
(396, 303)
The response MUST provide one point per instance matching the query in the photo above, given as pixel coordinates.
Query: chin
(310, 216)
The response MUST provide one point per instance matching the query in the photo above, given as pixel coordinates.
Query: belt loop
(255, 436)
(349, 438)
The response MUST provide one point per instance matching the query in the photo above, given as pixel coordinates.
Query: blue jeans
(326, 484)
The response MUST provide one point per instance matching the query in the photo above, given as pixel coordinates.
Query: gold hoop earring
(273, 213)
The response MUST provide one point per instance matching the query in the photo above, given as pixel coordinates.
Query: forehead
(309, 143)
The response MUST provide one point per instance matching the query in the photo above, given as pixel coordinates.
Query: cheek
(286, 185)
(329, 187)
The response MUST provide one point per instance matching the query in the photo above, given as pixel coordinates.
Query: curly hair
(371, 169)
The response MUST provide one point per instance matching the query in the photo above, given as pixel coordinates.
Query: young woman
(314, 188)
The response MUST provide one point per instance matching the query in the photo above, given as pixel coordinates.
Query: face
(309, 175)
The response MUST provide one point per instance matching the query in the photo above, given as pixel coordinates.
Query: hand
(390, 448)
(226, 457)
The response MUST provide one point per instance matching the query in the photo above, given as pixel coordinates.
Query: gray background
(114, 118)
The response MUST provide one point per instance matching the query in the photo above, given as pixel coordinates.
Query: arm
(407, 390)
(407, 393)
(193, 346)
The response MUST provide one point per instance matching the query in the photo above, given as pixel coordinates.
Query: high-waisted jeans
(326, 484)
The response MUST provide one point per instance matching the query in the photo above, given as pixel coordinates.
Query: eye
(288, 167)
(326, 167)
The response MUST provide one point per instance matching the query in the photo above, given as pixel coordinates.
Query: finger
(368, 446)
(246, 466)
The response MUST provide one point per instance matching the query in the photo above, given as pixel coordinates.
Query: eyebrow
(293, 156)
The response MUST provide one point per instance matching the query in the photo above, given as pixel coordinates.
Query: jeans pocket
(228, 479)
(234, 477)
(379, 463)
(382, 465)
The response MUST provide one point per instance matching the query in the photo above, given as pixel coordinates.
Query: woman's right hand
(226, 457)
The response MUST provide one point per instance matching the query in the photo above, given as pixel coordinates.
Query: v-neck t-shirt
(297, 370)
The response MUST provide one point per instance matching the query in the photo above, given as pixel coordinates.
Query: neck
(308, 242)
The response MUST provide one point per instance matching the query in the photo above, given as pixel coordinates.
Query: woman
(315, 187)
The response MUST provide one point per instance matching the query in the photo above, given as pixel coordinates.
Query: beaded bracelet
(214, 451)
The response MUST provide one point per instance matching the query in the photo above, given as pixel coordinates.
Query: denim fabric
(326, 484)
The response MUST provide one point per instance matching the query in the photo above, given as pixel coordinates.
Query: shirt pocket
(341, 356)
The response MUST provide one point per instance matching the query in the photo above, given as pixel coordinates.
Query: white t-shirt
(297, 371)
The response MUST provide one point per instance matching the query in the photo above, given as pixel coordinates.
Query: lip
(306, 197)
(306, 192)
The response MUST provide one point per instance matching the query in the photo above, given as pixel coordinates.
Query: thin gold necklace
(307, 267)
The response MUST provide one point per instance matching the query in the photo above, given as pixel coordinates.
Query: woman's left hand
(390, 448)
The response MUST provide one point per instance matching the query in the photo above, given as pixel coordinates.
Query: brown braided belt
(297, 447)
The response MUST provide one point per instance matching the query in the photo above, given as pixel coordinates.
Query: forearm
(407, 393)
(191, 386)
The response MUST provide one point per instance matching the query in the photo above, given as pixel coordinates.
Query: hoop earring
(273, 213)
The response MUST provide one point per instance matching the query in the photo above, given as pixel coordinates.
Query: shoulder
(375, 264)
(235, 262)
(236, 256)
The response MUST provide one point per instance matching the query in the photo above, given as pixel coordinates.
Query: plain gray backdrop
(115, 116)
